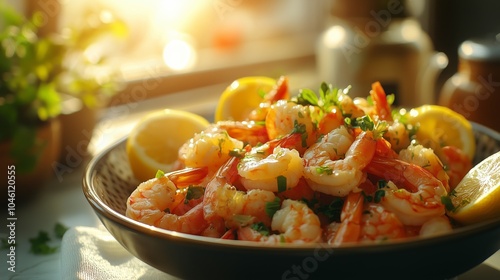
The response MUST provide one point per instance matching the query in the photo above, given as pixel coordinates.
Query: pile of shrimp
(315, 167)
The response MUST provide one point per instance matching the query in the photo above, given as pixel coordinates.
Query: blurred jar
(370, 41)
(474, 91)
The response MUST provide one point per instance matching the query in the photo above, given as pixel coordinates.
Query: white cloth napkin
(93, 254)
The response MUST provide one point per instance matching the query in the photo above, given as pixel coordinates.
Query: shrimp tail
(350, 226)
(382, 107)
(279, 91)
(188, 175)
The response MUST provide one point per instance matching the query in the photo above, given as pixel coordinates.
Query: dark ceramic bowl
(108, 181)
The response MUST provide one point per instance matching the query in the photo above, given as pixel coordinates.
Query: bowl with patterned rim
(108, 181)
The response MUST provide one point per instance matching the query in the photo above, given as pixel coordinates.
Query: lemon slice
(154, 141)
(241, 97)
(440, 126)
(477, 197)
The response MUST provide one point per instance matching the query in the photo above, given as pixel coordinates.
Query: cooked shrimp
(295, 222)
(349, 229)
(426, 158)
(278, 171)
(397, 135)
(210, 148)
(379, 224)
(382, 107)
(457, 164)
(285, 117)
(279, 92)
(223, 200)
(151, 201)
(436, 226)
(247, 131)
(364, 222)
(330, 121)
(335, 164)
(419, 198)
(349, 107)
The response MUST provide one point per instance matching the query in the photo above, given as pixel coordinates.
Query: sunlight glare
(179, 54)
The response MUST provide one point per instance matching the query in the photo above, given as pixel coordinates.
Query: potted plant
(35, 74)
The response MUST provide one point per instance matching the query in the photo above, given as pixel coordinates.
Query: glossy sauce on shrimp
(306, 168)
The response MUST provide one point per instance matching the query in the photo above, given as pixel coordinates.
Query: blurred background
(120, 54)
(188, 44)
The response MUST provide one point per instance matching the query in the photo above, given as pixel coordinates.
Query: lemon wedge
(477, 197)
(154, 141)
(440, 126)
(241, 97)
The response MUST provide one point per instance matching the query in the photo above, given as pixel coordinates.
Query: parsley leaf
(159, 174)
(448, 204)
(59, 230)
(332, 210)
(40, 244)
(194, 192)
(261, 228)
(281, 180)
(273, 206)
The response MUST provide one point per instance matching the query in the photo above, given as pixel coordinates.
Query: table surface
(62, 201)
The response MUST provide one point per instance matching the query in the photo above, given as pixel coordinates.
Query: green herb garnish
(261, 228)
(448, 204)
(273, 206)
(194, 192)
(40, 244)
(159, 174)
(281, 181)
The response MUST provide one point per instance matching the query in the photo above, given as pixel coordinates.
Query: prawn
(295, 222)
(285, 117)
(365, 222)
(381, 106)
(278, 92)
(249, 132)
(335, 164)
(209, 148)
(330, 121)
(457, 164)
(277, 171)
(426, 158)
(397, 135)
(152, 200)
(436, 226)
(223, 200)
(419, 198)
(349, 106)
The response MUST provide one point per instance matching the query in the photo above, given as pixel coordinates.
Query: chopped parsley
(194, 192)
(237, 153)
(379, 194)
(332, 210)
(324, 170)
(261, 228)
(281, 181)
(40, 244)
(60, 230)
(273, 206)
(159, 174)
(448, 204)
